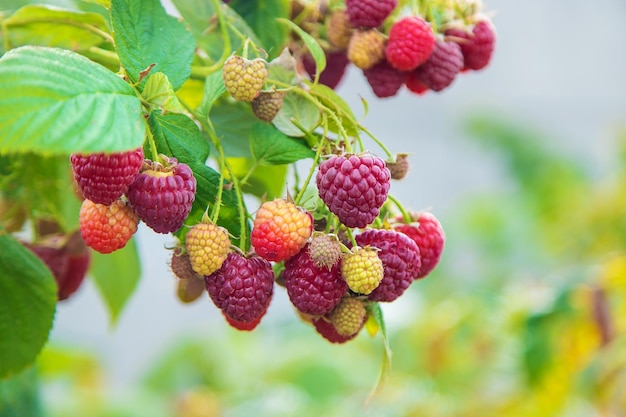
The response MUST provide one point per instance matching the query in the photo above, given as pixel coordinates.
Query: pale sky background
(559, 66)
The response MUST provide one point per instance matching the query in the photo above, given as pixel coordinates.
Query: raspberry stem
(153, 148)
(405, 214)
(316, 159)
(378, 142)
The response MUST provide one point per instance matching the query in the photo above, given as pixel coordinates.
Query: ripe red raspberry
(336, 63)
(103, 178)
(107, 228)
(439, 71)
(313, 290)
(162, 195)
(280, 230)
(246, 325)
(353, 187)
(242, 287)
(411, 41)
(429, 236)
(207, 246)
(369, 13)
(401, 261)
(384, 79)
(244, 78)
(479, 45)
(415, 84)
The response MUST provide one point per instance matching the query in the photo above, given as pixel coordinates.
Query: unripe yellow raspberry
(366, 48)
(244, 78)
(339, 29)
(207, 245)
(362, 270)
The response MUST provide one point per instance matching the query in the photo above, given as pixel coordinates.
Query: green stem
(153, 148)
(102, 56)
(5, 35)
(378, 142)
(316, 159)
(351, 237)
(220, 190)
(405, 214)
(240, 206)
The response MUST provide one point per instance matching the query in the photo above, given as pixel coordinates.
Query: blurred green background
(524, 164)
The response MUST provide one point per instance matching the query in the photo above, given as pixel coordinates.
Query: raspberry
(348, 317)
(325, 328)
(244, 78)
(411, 41)
(325, 250)
(246, 325)
(400, 167)
(366, 48)
(190, 285)
(415, 84)
(439, 71)
(401, 261)
(362, 270)
(312, 290)
(207, 245)
(189, 290)
(384, 79)
(162, 196)
(353, 187)
(336, 63)
(103, 178)
(107, 228)
(478, 45)
(267, 105)
(280, 230)
(242, 287)
(339, 29)
(369, 13)
(429, 236)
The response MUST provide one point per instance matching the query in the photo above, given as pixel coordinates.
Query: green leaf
(159, 93)
(28, 296)
(213, 89)
(299, 108)
(19, 395)
(233, 123)
(47, 26)
(104, 3)
(201, 17)
(178, 136)
(338, 106)
(261, 17)
(116, 276)
(316, 50)
(145, 34)
(55, 101)
(265, 181)
(269, 146)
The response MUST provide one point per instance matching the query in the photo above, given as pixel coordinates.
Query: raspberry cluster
(394, 48)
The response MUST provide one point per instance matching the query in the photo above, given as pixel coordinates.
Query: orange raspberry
(107, 228)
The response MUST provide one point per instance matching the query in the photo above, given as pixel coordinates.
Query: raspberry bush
(140, 117)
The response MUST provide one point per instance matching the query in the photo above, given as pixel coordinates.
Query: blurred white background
(559, 66)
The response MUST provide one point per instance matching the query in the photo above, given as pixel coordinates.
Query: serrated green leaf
(47, 26)
(339, 107)
(116, 276)
(201, 17)
(159, 93)
(316, 50)
(177, 135)
(233, 123)
(213, 89)
(269, 146)
(28, 296)
(55, 101)
(299, 108)
(261, 17)
(145, 34)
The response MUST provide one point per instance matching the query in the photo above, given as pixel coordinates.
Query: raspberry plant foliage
(120, 75)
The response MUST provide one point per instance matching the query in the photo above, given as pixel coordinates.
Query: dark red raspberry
(479, 44)
(242, 287)
(369, 13)
(354, 187)
(401, 261)
(429, 236)
(444, 64)
(411, 41)
(325, 328)
(336, 63)
(103, 178)
(245, 325)
(415, 84)
(313, 290)
(384, 79)
(162, 195)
